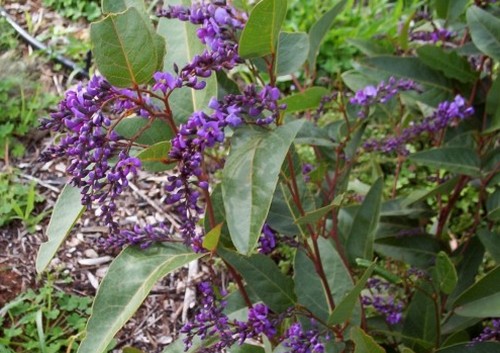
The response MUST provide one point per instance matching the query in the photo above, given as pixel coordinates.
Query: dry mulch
(159, 318)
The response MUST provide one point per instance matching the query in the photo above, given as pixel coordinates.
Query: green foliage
(421, 216)
(45, 320)
(23, 101)
(76, 9)
(19, 199)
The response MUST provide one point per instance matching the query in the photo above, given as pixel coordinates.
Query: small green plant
(75, 9)
(18, 201)
(22, 101)
(46, 320)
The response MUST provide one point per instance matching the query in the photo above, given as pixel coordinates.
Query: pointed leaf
(316, 215)
(448, 62)
(211, 239)
(264, 278)
(308, 287)
(338, 276)
(343, 310)
(159, 131)
(491, 241)
(127, 283)
(453, 159)
(154, 158)
(249, 180)
(485, 307)
(493, 107)
(485, 31)
(67, 211)
(362, 235)
(115, 6)
(446, 274)
(319, 30)
(450, 9)
(124, 48)
(473, 301)
(422, 320)
(309, 99)
(363, 342)
(292, 52)
(477, 347)
(261, 33)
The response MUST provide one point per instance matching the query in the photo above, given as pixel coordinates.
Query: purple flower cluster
(300, 341)
(448, 113)
(203, 131)
(211, 321)
(490, 333)
(267, 241)
(382, 301)
(90, 144)
(381, 93)
(218, 25)
(437, 35)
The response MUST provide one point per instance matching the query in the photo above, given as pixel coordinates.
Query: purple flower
(382, 93)
(448, 113)
(210, 321)
(300, 341)
(383, 301)
(267, 240)
(437, 35)
(489, 333)
(218, 25)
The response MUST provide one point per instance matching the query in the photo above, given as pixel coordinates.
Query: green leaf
(416, 251)
(159, 131)
(453, 159)
(264, 278)
(448, 62)
(318, 31)
(485, 307)
(316, 215)
(131, 350)
(450, 10)
(475, 300)
(67, 210)
(479, 347)
(249, 180)
(363, 342)
(211, 239)
(362, 235)
(292, 52)
(421, 321)
(308, 287)
(492, 205)
(343, 310)
(309, 99)
(182, 36)
(467, 269)
(338, 276)
(127, 283)
(436, 87)
(154, 158)
(485, 31)
(115, 6)
(493, 107)
(125, 48)
(446, 274)
(491, 242)
(260, 35)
